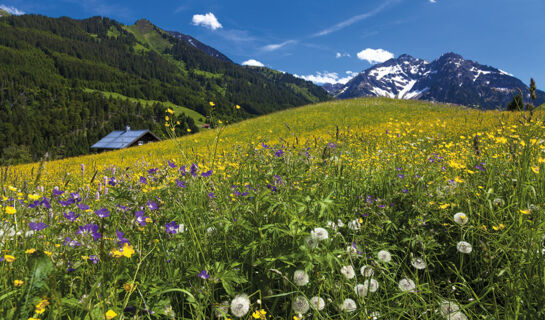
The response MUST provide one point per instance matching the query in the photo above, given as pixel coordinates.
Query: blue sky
(327, 40)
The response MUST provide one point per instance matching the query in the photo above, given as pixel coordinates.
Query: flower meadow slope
(369, 208)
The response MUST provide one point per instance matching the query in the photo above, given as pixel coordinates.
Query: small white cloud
(340, 55)
(433, 1)
(253, 63)
(327, 77)
(375, 55)
(273, 47)
(208, 20)
(11, 10)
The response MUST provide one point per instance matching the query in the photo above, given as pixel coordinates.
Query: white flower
(300, 277)
(406, 285)
(340, 223)
(240, 305)
(448, 307)
(317, 303)
(461, 218)
(498, 202)
(375, 315)
(349, 305)
(360, 290)
(348, 272)
(458, 315)
(464, 247)
(367, 271)
(300, 304)
(210, 229)
(419, 263)
(384, 256)
(311, 242)
(354, 225)
(372, 285)
(319, 234)
(332, 225)
(222, 309)
(181, 228)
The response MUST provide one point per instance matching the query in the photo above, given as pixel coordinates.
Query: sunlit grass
(372, 207)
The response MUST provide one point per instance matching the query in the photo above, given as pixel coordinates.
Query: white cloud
(273, 47)
(433, 1)
(11, 10)
(328, 77)
(340, 55)
(208, 20)
(253, 63)
(375, 55)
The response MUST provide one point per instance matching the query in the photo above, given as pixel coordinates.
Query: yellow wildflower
(525, 211)
(535, 169)
(170, 111)
(18, 283)
(129, 287)
(40, 307)
(9, 258)
(49, 253)
(212, 104)
(30, 251)
(10, 210)
(110, 314)
(237, 106)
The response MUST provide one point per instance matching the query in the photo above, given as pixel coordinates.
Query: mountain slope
(48, 66)
(199, 45)
(449, 78)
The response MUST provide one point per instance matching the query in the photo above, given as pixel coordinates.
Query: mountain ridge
(449, 78)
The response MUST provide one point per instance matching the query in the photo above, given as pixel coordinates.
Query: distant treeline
(46, 64)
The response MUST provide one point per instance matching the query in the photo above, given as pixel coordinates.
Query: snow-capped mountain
(449, 78)
(199, 45)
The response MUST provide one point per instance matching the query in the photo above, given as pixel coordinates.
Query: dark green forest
(48, 65)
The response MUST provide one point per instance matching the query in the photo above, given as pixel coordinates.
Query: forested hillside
(52, 73)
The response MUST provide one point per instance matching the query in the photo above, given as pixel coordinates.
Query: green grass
(197, 117)
(113, 32)
(296, 205)
(149, 36)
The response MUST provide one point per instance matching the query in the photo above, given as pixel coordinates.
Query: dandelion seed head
(447, 307)
(407, 285)
(319, 234)
(460, 218)
(348, 272)
(367, 271)
(418, 263)
(240, 305)
(464, 247)
(300, 277)
(349, 305)
(300, 305)
(371, 284)
(317, 303)
(360, 290)
(384, 256)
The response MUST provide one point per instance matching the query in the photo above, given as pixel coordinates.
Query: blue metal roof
(119, 139)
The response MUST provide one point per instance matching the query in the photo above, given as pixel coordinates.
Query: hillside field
(355, 209)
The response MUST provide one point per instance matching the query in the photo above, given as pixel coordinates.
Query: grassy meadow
(352, 209)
